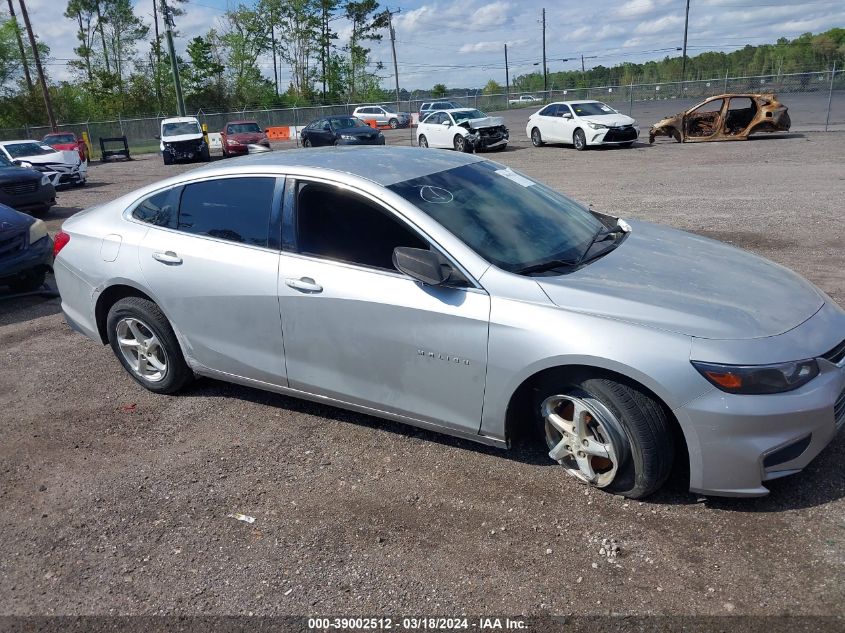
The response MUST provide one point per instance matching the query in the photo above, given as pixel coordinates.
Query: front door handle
(167, 257)
(304, 284)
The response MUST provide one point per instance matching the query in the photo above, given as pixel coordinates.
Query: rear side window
(233, 209)
(159, 209)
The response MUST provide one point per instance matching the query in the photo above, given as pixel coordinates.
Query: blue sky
(460, 42)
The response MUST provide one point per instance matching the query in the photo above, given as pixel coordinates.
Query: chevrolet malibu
(450, 292)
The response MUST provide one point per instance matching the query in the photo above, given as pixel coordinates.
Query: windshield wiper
(600, 236)
(549, 264)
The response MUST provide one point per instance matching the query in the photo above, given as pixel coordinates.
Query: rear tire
(393, 123)
(625, 418)
(423, 141)
(579, 140)
(160, 366)
(536, 138)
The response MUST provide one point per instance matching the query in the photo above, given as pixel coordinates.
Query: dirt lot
(116, 500)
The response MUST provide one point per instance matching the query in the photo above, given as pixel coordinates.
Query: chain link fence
(822, 109)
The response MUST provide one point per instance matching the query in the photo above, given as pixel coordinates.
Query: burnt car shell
(725, 117)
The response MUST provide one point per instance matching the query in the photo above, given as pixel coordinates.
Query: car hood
(17, 174)
(180, 138)
(363, 132)
(488, 121)
(13, 220)
(248, 137)
(611, 120)
(46, 159)
(672, 280)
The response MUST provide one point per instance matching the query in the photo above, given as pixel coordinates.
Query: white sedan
(581, 124)
(63, 167)
(462, 129)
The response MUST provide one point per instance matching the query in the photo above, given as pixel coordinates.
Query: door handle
(167, 257)
(304, 284)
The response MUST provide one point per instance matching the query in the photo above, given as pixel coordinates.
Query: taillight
(59, 242)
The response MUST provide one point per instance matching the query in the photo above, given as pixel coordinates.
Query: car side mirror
(566, 115)
(422, 265)
(447, 123)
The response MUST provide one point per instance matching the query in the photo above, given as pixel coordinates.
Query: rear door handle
(167, 257)
(304, 284)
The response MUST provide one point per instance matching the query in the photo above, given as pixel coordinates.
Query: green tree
(492, 88)
(245, 37)
(439, 91)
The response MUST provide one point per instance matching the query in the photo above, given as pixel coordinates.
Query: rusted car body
(726, 117)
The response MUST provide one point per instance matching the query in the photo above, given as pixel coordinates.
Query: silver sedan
(453, 293)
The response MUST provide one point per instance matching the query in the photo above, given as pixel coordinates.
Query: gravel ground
(116, 500)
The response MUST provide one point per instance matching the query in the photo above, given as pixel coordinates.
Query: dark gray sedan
(340, 130)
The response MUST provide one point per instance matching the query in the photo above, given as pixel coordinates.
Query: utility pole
(48, 103)
(157, 51)
(684, 62)
(393, 46)
(168, 29)
(507, 80)
(583, 67)
(24, 60)
(273, 41)
(545, 78)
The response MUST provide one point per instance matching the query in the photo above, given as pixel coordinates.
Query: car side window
(549, 110)
(336, 224)
(563, 109)
(160, 209)
(233, 209)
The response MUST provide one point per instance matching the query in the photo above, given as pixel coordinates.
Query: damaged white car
(62, 167)
(463, 129)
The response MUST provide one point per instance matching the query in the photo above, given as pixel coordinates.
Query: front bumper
(41, 199)
(185, 150)
(482, 140)
(612, 136)
(248, 148)
(33, 257)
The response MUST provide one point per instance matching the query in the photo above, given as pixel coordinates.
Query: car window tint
(234, 209)
(159, 209)
(549, 110)
(341, 226)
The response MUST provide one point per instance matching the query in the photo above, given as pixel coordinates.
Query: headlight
(596, 126)
(759, 379)
(45, 180)
(37, 231)
(231, 141)
(347, 137)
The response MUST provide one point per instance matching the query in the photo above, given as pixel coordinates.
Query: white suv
(182, 138)
(383, 115)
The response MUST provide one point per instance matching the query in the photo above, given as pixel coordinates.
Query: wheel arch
(108, 297)
(518, 425)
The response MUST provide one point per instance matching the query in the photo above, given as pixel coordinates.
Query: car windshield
(346, 122)
(466, 115)
(177, 129)
(59, 138)
(593, 108)
(508, 219)
(243, 128)
(16, 150)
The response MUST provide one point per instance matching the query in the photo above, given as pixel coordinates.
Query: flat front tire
(607, 434)
(144, 342)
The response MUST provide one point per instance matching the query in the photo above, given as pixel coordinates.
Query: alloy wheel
(141, 349)
(580, 436)
(423, 141)
(536, 139)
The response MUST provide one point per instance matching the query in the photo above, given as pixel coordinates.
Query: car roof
(180, 119)
(241, 121)
(384, 165)
(20, 142)
(580, 101)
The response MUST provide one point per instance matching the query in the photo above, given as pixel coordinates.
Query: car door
(546, 123)
(565, 126)
(359, 331)
(437, 129)
(321, 134)
(704, 121)
(212, 266)
(382, 116)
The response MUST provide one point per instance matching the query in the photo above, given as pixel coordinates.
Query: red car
(67, 141)
(237, 136)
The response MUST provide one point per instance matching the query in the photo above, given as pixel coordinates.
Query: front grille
(839, 410)
(835, 355)
(20, 188)
(621, 134)
(12, 243)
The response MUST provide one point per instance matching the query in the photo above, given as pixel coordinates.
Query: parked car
(25, 189)
(581, 124)
(463, 130)
(182, 139)
(427, 107)
(383, 115)
(67, 141)
(61, 166)
(243, 137)
(450, 292)
(727, 117)
(524, 100)
(340, 130)
(26, 250)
